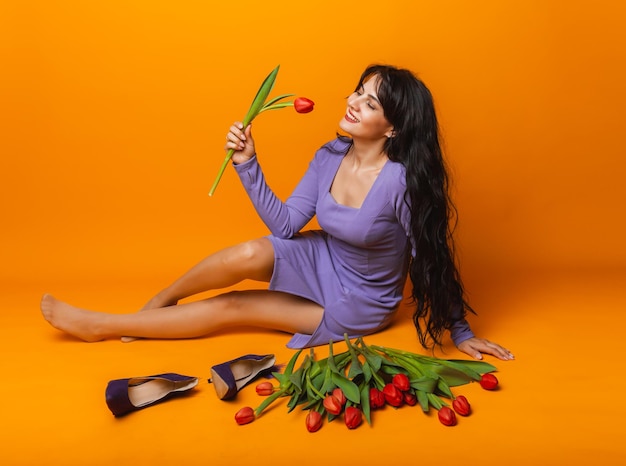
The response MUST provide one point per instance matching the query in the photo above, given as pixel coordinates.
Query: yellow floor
(560, 402)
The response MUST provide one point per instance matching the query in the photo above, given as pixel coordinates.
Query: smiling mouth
(351, 118)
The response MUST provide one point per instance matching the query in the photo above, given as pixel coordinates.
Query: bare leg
(258, 308)
(250, 260)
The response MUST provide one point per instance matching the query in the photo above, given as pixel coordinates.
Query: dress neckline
(374, 184)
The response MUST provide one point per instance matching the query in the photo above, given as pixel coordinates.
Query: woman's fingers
(236, 137)
(475, 347)
(239, 140)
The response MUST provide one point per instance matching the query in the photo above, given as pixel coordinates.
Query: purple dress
(356, 266)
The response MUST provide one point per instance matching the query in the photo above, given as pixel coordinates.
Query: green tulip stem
(229, 155)
(312, 386)
(268, 401)
(277, 106)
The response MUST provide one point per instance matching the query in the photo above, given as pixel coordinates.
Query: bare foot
(156, 302)
(72, 320)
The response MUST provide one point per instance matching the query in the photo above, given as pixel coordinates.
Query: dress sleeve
(284, 219)
(460, 329)
(402, 208)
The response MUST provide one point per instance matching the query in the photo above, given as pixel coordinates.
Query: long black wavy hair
(437, 288)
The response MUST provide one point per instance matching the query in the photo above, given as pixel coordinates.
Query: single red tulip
(265, 389)
(409, 398)
(401, 381)
(244, 416)
(303, 105)
(332, 405)
(338, 393)
(313, 421)
(461, 406)
(353, 417)
(393, 396)
(447, 416)
(377, 398)
(489, 381)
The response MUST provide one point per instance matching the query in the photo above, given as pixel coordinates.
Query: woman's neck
(367, 155)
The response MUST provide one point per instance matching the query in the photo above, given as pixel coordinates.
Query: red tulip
(401, 381)
(489, 381)
(393, 396)
(244, 416)
(447, 416)
(461, 406)
(338, 393)
(377, 398)
(409, 398)
(313, 421)
(265, 389)
(332, 405)
(353, 417)
(303, 105)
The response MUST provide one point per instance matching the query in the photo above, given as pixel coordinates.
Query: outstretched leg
(250, 260)
(258, 308)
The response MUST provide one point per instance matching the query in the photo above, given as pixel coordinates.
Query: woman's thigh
(270, 309)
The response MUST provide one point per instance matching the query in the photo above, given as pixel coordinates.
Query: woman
(380, 197)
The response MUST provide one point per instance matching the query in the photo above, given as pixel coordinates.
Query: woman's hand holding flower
(239, 139)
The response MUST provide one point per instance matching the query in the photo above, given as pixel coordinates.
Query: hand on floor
(475, 347)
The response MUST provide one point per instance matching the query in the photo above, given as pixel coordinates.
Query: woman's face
(364, 118)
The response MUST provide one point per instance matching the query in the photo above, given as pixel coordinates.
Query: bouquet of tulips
(365, 378)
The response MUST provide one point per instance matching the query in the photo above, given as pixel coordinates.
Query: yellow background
(112, 121)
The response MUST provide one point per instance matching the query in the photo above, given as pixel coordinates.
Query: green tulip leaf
(293, 402)
(291, 364)
(373, 359)
(367, 372)
(297, 378)
(424, 384)
(283, 379)
(443, 387)
(348, 387)
(355, 365)
(471, 373)
(327, 386)
(435, 401)
(261, 96)
(423, 400)
(478, 366)
(316, 369)
(453, 377)
(365, 402)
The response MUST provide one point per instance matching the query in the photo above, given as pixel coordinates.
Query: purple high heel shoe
(126, 395)
(230, 377)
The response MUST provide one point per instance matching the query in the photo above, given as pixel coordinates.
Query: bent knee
(257, 250)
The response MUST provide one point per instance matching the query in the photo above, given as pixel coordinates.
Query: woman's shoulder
(338, 146)
(397, 172)
(395, 179)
